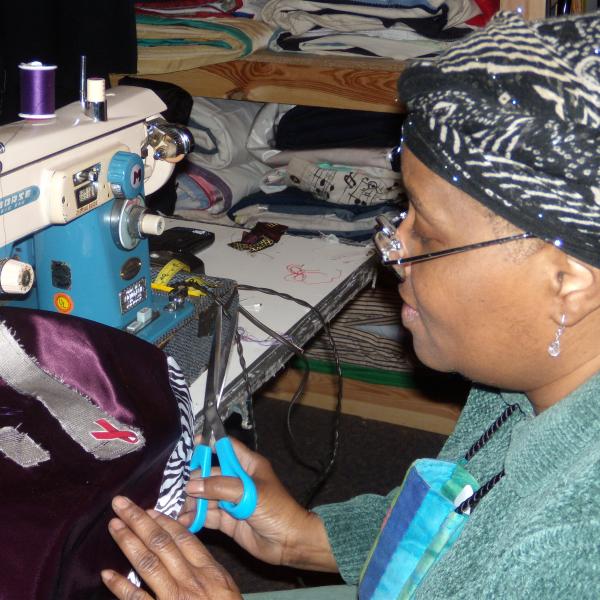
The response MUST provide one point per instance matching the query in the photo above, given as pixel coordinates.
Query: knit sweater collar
(544, 444)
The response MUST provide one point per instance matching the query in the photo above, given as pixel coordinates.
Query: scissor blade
(212, 375)
(218, 372)
(219, 356)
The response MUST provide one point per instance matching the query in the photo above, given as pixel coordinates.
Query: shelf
(349, 82)
(289, 78)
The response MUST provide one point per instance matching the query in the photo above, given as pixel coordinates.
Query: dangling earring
(554, 347)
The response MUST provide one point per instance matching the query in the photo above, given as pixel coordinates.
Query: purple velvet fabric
(54, 516)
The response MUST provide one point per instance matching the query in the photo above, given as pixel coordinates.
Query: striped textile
(369, 338)
(168, 45)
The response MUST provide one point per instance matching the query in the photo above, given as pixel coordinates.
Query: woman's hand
(280, 531)
(170, 559)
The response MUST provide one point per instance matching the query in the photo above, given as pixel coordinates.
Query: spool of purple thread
(37, 90)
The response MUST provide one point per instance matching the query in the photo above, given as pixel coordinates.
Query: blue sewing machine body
(81, 271)
(73, 216)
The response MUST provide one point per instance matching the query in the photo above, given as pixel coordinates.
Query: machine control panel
(75, 188)
(85, 183)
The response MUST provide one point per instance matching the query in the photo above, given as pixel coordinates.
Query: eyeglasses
(390, 248)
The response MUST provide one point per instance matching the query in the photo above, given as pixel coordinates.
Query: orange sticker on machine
(63, 303)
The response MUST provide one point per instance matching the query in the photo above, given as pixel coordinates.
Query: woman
(500, 146)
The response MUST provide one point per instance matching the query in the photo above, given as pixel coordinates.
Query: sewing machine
(73, 222)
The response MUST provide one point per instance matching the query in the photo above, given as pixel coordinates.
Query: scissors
(213, 426)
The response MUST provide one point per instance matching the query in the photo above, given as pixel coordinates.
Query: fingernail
(121, 502)
(116, 524)
(107, 575)
(195, 475)
(152, 513)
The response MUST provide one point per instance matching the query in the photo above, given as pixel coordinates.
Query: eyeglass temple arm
(423, 257)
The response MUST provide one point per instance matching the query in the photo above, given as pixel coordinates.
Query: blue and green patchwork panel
(419, 527)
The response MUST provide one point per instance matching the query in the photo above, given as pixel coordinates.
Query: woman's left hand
(171, 560)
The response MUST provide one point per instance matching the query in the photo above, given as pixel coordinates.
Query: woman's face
(480, 313)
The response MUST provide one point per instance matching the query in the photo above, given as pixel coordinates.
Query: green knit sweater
(536, 534)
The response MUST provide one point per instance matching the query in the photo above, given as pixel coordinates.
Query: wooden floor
(435, 412)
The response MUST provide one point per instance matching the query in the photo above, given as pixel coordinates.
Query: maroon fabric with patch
(55, 514)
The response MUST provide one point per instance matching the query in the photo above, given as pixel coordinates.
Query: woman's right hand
(280, 531)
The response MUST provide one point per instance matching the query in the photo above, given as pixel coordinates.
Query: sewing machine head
(72, 213)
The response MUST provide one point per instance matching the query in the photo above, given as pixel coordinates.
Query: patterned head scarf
(511, 115)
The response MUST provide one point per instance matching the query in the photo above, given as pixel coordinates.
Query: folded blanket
(362, 44)
(222, 189)
(427, 18)
(370, 340)
(221, 129)
(312, 127)
(167, 45)
(356, 157)
(302, 213)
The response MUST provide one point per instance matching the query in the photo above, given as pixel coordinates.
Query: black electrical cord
(323, 470)
(301, 386)
(249, 403)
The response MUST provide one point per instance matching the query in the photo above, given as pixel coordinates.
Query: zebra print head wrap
(511, 115)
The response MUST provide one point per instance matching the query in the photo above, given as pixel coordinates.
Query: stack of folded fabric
(331, 174)
(317, 171)
(371, 343)
(397, 29)
(184, 34)
(221, 170)
(175, 35)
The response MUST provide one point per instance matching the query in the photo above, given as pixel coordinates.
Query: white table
(324, 272)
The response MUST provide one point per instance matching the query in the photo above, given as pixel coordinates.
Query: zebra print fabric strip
(511, 115)
(177, 470)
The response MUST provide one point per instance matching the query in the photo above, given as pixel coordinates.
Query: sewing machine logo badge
(63, 303)
(19, 199)
(136, 176)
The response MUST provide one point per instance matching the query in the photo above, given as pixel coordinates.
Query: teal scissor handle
(230, 467)
(201, 459)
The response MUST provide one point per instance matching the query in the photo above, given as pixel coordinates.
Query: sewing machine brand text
(19, 199)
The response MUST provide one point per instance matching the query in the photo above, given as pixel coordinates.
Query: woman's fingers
(149, 547)
(212, 490)
(121, 588)
(210, 572)
(188, 544)
(166, 556)
(217, 487)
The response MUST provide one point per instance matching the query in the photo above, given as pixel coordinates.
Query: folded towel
(168, 45)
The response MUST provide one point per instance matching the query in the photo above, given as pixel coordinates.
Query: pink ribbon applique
(112, 433)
